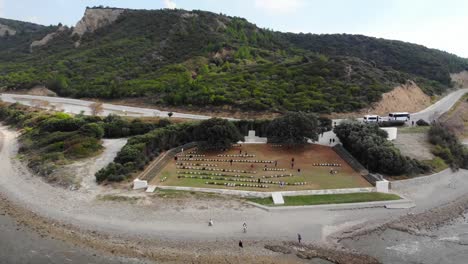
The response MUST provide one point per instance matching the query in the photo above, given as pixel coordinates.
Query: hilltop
(198, 59)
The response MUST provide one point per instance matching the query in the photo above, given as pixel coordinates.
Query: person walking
(299, 238)
(276, 163)
(330, 141)
(210, 223)
(244, 227)
(241, 245)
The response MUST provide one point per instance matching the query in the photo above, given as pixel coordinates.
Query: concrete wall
(354, 163)
(157, 165)
(268, 194)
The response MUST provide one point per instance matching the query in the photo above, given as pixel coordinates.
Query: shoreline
(161, 222)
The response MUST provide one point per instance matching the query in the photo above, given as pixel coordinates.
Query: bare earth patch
(414, 145)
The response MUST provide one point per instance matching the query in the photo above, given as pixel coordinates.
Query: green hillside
(204, 60)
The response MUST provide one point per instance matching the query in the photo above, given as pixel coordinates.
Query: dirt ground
(407, 97)
(414, 145)
(461, 78)
(457, 118)
(317, 177)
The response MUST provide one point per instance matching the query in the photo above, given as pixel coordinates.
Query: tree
(216, 133)
(96, 108)
(294, 129)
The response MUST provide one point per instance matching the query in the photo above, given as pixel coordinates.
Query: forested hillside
(204, 60)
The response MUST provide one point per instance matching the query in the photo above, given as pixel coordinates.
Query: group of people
(244, 229)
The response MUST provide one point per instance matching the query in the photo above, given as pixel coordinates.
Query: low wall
(354, 163)
(268, 194)
(160, 162)
(422, 180)
(373, 178)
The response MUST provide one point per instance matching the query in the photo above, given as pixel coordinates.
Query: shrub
(447, 146)
(369, 144)
(92, 130)
(392, 123)
(422, 122)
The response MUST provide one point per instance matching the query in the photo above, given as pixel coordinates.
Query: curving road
(76, 106)
(434, 111)
(188, 223)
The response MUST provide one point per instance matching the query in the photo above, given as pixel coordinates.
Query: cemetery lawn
(329, 199)
(315, 177)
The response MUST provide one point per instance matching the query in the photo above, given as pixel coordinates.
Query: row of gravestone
(226, 160)
(214, 169)
(196, 164)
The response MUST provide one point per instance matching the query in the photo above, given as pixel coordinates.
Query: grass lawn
(329, 199)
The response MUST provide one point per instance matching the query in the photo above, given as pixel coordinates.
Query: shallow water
(22, 245)
(446, 245)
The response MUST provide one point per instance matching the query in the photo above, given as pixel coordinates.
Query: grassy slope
(329, 199)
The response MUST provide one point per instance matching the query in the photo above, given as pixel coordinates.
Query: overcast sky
(433, 23)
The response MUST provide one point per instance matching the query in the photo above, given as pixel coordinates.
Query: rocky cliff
(4, 29)
(95, 18)
(47, 38)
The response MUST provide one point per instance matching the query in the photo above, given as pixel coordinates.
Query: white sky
(433, 23)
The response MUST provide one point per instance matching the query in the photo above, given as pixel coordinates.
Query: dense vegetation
(369, 145)
(448, 146)
(294, 129)
(49, 140)
(214, 133)
(200, 59)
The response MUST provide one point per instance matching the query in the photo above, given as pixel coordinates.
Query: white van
(400, 116)
(371, 119)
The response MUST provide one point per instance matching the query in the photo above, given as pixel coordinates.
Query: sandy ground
(404, 98)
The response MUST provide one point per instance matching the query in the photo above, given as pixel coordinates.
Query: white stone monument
(382, 186)
(253, 139)
(139, 184)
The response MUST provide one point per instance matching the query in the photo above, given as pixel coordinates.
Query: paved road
(76, 106)
(434, 111)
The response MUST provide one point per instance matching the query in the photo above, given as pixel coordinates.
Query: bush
(422, 122)
(447, 146)
(92, 130)
(392, 123)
